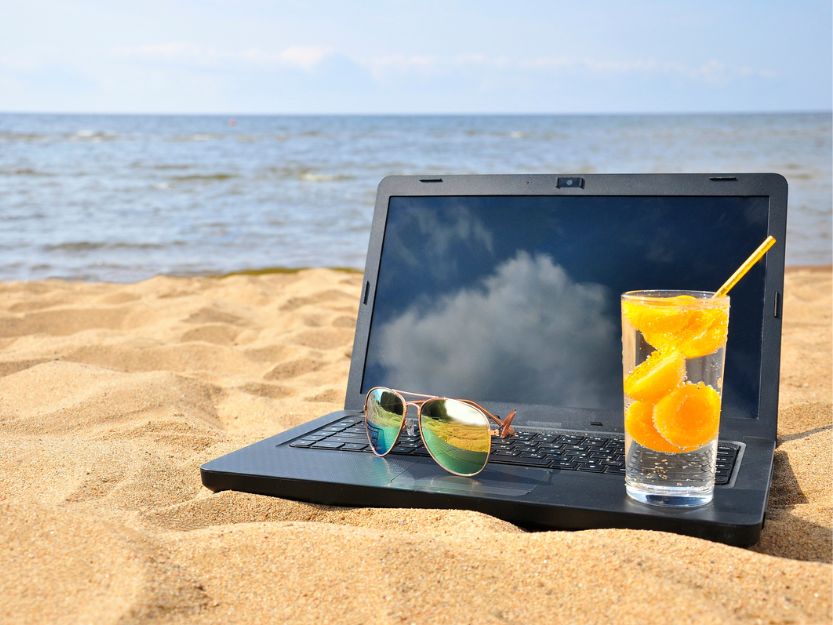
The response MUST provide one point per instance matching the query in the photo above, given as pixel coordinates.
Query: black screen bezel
(772, 186)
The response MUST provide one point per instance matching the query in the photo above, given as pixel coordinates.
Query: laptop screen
(516, 299)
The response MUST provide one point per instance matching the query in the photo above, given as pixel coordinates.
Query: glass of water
(673, 352)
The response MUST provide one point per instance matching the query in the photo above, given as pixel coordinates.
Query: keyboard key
(354, 447)
(314, 436)
(347, 438)
(504, 459)
(327, 445)
(590, 468)
(325, 433)
(615, 470)
(601, 454)
(564, 464)
(523, 462)
(303, 442)
(527, 454)
(534, 462)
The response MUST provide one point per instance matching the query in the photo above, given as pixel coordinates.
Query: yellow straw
(757, 255)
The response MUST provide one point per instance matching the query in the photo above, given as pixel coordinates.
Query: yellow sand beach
(111, 396)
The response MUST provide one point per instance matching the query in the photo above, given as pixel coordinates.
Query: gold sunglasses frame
(503, 430)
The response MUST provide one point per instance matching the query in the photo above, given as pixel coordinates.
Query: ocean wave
(24, 171)
(311, 176)
(303, 174)
(160, 166)
(197, 136)
(93, 136)
(244, 137)
(512, 134)
(94, 246)
(215, 177)
(24, 137)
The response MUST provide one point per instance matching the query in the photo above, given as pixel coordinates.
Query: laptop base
(531, 497)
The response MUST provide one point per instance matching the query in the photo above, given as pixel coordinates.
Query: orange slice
(639, 424)
(689, 416)
(660, 321)
(706, 332)
(670, 323)
(655, 376)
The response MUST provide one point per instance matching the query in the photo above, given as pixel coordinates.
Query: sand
(111, 396)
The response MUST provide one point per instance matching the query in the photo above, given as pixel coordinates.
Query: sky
(252, 56)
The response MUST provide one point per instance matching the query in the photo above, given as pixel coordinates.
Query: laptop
(505, 290)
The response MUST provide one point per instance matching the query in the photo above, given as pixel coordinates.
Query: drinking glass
(673, 354)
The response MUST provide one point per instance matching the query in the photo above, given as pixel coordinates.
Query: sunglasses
(456, 432)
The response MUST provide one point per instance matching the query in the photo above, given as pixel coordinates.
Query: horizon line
(422, 114)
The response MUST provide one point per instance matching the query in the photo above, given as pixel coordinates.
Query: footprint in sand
(327, 297)
(212, 315)
(217, 333)
(63, 322)
(272, 391)
(120, 297)
(344, 321)
(323, 339)
(293, 368)
(328, 395)
(99, 483)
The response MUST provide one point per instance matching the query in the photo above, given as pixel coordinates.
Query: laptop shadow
(786, 534)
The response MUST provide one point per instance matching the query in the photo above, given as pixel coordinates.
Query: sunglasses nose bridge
(411, 417)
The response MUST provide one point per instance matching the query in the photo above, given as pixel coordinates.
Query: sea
(126, 197)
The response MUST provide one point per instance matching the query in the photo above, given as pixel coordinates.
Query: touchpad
(490, 482)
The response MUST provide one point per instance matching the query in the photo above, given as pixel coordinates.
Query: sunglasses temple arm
(505, 424)
(506, 428)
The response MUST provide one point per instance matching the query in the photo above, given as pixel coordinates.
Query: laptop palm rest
(431, 478)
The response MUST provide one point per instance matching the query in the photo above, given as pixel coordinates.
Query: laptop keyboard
(555, 450)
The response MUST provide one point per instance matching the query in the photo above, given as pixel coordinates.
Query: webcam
(570, 182)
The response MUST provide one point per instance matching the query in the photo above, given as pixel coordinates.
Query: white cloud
(528, 326)
(308, 57)
(303, 57)
(711, 71)
(172, 51)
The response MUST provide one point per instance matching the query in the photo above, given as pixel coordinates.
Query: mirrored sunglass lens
(385, 413)
(456, 434)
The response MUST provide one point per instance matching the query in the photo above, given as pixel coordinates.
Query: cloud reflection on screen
(527, 325)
